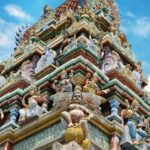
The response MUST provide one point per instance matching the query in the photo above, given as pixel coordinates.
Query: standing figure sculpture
(133, 121)
(35, 101)
(46, 59)
(27, 71)
(76, 117)
(2, 78)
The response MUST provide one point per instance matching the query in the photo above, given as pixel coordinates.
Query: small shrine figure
(36, 105)
(91, 45)
(47, 11)
(91, 86)
(27, 71)
(46, 59)
(112, 61)
(127, 71)
(76, 117)
(2, 78)
(142, 134)
(136, 73)
(66, 83)
(66, 40)
(73, 43)
(133, 121)
(1, 116)
(82, 3)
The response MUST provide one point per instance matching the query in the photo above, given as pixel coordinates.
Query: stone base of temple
(70, 146)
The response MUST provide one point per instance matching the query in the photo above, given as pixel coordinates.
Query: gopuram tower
(72, 83)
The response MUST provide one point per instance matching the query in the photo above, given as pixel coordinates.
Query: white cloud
(142, 27)
(123, 29)
(15, 11)
(130, 14)
(139, 27)
(7, 38)
(147, 88)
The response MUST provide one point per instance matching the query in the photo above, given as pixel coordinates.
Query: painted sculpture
(112, 60)
(35, 105)
(45, 60)
(76, 117)
(91, 85)
(1, 116)
(2, 78)
(66, 83)
(133, 122)
(27, 71)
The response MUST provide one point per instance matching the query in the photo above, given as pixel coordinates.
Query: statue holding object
(133, 122)
(76, 117)
(36, 105)
(66, 83)
(90, 85)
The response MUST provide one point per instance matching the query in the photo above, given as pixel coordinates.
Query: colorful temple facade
(73, 83)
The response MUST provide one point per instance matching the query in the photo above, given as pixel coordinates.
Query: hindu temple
(73, 83)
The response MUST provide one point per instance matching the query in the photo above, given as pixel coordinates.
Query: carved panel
(49, 134)
(98, 137)
(42, 137)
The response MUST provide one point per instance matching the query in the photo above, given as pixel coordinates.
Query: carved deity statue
(76, 116)
(66, 83)
(112, 60)
(127, 71)
(46, 10)
(91, 85)
(1, 115)
(66, 40)
(137, 74)
(2, 78)
(133, 121)
(35, 99)
(27, 71)
(46, 59)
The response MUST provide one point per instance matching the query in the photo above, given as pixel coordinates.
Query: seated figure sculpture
(65, 85)
(76, 117)
(91, 86)
(133, 122)
(36, 105)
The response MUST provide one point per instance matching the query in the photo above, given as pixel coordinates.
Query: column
(7, 146)
(114, 143)
(14, 112)
(114, 104)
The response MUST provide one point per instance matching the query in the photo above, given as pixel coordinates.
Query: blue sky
(135, 23)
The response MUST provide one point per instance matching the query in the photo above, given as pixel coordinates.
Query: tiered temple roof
(76, 49)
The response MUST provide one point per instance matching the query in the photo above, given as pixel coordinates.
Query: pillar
(14, 112)
(114, 104)
(114, 143)
(7, 146)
